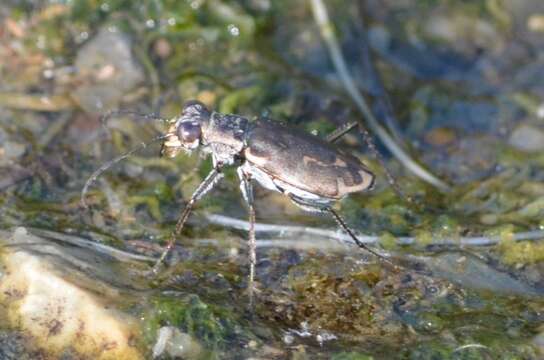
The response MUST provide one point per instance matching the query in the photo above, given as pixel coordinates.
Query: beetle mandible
(309, 170)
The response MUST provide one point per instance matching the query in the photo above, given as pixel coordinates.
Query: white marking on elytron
(337, 162)
(255, 159)
(363, 185)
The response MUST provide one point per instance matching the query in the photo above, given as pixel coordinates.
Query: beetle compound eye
(189, 133)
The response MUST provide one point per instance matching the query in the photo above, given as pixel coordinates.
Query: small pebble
(440, 136)
(176, 344)
(162, 48)
(527, 138)
(12, 150)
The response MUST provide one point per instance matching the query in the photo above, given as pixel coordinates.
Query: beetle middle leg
(247, 192)
(206, 185)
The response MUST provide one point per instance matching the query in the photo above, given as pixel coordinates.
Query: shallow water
(457, 83)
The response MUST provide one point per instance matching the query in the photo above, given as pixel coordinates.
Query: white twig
(280, 242)
(326, 29)
(293, 231)
(471, 346)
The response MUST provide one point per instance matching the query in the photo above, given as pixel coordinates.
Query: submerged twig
(151, 72)
(84, 243)
(292, 231)
(50, 103)
(118, 112)
(325, 27)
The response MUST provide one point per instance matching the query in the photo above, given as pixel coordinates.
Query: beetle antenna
(94, 176)
(113, 113)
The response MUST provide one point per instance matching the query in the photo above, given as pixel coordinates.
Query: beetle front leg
(247, 192)
(200, 191)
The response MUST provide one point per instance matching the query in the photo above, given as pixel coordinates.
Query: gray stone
(527, 138)
(106, 70)
(471, 272)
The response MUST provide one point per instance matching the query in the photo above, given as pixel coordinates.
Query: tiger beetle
(309, 170)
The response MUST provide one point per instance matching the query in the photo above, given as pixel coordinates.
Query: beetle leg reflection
(247, 192)
(213, 177)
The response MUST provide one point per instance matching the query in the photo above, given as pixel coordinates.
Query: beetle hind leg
(323, 206)
(355, 239)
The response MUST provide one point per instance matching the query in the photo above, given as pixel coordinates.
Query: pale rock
(42, 300)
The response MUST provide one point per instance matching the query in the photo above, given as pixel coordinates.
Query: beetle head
(185, 133)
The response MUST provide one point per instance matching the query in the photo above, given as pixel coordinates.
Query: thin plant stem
(326, 29)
